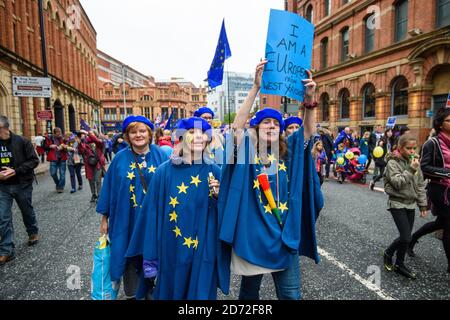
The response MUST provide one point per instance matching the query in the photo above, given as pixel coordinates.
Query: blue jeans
(60, 166)
(22, 193)
(287, 283)
(75, 170)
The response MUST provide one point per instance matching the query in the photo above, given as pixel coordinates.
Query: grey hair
(4, 122)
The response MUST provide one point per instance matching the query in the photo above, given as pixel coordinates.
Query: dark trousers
(328, 165)
(380, 173)
(22, 193)
(75, 172)
(404, 220)
(438, 224)
(321, 178)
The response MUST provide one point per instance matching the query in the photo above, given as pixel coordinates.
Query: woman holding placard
(269, 189)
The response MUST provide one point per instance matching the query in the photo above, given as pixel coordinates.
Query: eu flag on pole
(168, 126)
(223, 52)
(84, 126)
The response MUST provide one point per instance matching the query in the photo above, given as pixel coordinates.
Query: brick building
(71, 51)
(378, 58)
(143, 95)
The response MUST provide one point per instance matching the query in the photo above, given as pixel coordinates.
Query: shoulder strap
(144, 184)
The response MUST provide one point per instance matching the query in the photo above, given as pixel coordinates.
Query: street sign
(391, 122)
(44, 115)
(32, 87)
(429, 113)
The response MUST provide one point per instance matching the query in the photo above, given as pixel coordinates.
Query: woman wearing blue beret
(121, 196)
(292, 124)
(178, 222)
(270, 197)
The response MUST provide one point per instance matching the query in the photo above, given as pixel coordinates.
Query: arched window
(325, 106)
(442, 13)
(309, 13)
(324, 53)
(401, 20)
(344, 44)
(344, 103)
(399, 102)
(369, 101)
(369, 33)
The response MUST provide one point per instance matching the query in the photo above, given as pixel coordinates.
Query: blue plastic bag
(102, 287)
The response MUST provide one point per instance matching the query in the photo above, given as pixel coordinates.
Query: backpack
(93, 158)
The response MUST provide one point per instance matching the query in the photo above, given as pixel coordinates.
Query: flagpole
(228, 93)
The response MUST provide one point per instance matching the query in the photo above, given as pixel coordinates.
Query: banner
(289, 52)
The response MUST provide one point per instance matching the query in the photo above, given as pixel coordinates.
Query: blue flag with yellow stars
(247, 223)
(178, 228)
(223, 52)
(121, 199)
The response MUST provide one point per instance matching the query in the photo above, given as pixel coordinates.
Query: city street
(353, 230)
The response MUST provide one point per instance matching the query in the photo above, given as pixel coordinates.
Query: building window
(195, 98)
(324, 53)
(147, 112)
(129, 111)
(165, 113)
(401, 20)
(325, 105)
(345, 1)
(146, 98)
(369, 34)
(400, 97)
(182, 113)
(309, 13)
(327, 7)
(442, 13)
(264, 101)
(344, 44)
(344, 104)
(108, 93)
(369, 101)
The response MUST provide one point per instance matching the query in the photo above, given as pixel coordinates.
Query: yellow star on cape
(195, 180)
(133, 197)
(152, 169)
(132, 188)
(260, 199)
(195, 242)
(173, 216)
(271, 158)
(282, 167)
(133, 166)
(267, 208)
(141, 165)
(188, 242)
(182, 188)
(257, 159)
(283, 207)
(255, 184)
(177, 232)
(173, 202)
(211, 193)
(130, 175)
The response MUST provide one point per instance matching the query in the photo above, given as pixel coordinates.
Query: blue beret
(131, 119)
(203, 110)
(292, 120)
(191, 123)
(267, 113)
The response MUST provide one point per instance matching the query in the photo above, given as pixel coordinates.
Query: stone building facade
(71, 59)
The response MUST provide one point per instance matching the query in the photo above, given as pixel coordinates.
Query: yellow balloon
(378, 152)
(340, 161)
(349, 155)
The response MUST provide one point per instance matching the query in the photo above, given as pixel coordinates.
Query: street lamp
(44, 58)
(123, 93)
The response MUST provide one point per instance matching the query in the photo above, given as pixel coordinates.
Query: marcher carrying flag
(223, 52)
(84, 126)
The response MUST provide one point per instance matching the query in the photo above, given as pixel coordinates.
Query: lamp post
(44, 58)
(123, 93)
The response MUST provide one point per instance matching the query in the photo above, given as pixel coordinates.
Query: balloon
(349, 155)
(362, 159)
(167, 150)
(340, 161)
(378, 152)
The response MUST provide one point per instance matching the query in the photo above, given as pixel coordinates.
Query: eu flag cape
(121, 197)
(178, 227)
(246, 224)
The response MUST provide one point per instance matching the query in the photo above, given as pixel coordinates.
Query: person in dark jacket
(327, 141)
(387, 143)
(18, 160)
(435, 165)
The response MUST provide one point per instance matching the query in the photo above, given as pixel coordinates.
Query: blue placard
(391, 122)
(288, 51)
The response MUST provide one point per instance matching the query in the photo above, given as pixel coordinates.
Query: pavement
(352, 231)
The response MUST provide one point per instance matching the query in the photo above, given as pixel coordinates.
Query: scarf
(444, 141)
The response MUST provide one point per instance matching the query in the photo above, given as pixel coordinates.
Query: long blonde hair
(314, 149)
